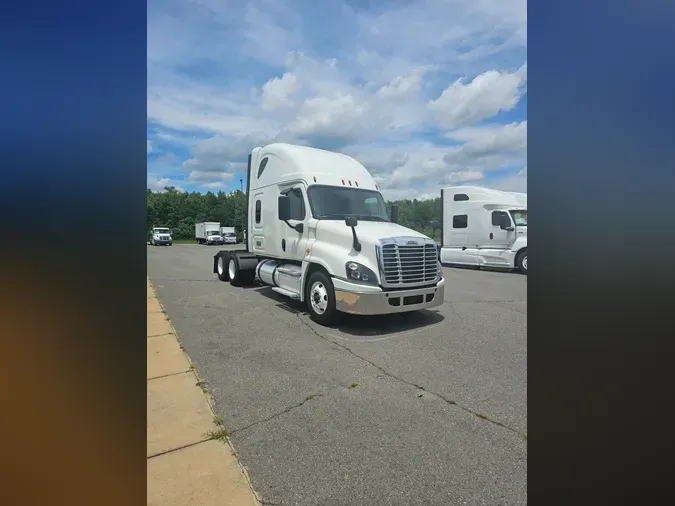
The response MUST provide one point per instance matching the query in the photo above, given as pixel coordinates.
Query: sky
(426, 94)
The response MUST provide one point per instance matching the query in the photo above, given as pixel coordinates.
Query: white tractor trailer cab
(317, 231)
(483, 227)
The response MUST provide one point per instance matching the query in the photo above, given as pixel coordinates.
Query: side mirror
(505, 222)
(394, 213)
(284, 208)
(351, 222)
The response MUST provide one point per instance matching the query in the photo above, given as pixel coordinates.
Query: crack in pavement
(454, 311)
(409, 383)
(275, 415)
(496, 304)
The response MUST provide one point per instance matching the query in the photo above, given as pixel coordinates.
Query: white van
(482, 227)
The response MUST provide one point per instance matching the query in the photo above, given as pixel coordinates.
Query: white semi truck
(482, 227)
(229, 235)
(317, 231)
(161, 236)
(208, 232)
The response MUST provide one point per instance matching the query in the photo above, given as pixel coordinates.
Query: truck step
(287, 293)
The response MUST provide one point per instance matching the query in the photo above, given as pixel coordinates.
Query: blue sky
(426, 94)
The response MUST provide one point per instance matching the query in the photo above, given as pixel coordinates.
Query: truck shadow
(363, 326)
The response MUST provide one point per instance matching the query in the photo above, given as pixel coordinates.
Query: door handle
(490, 235)
(283, 244)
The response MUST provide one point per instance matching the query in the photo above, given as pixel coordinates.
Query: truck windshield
(229, 234)
(212, 232)
(162, 230)
(520, 217)
(337, 203)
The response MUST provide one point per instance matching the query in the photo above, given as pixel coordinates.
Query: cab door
(293, 242)
(501, 232)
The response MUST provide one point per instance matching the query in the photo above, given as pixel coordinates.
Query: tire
(320, 298)
(233, 271)
(237, 276)
(221, 269)
(521, 262)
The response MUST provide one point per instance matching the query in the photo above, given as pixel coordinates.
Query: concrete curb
(207, 395)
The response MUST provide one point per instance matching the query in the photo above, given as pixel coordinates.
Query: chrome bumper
(387, 302)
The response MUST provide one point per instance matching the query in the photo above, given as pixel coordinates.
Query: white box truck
(317, 231)
(208, 232)
(229, 235)
(482, 227)
(161, 236)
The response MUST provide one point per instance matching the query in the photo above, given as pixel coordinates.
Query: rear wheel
(222, 269)
(321, 299)
(238, 277)
(521, 262)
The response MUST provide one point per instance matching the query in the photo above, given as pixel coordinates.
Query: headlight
(360, 273)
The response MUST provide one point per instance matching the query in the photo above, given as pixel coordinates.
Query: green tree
(180, 211)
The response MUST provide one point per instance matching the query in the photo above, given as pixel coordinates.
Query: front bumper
(163, 241)
(349, 299)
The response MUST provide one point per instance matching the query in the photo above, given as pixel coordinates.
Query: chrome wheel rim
(318, 297)
(231, 268)
(525, 262)
(220, 265)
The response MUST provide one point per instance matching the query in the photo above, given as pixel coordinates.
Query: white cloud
(400, 86)
(209, 178)
(277, 91)
(489, 144)
(514, 183)
(158, 184)
(224, 77)
(486, 95)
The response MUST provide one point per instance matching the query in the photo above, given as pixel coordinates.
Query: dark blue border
(601, 173)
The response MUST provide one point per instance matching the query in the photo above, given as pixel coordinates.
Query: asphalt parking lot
(419, 408)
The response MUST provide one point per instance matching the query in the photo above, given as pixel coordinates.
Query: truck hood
(368, 232)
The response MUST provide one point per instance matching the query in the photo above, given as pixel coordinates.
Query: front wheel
(521, 262)
(321, 299)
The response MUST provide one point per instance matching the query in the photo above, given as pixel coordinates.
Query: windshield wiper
(334, 216)
(369, 217)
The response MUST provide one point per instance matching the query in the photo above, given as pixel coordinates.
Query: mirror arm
(357, 244)
(298, 228)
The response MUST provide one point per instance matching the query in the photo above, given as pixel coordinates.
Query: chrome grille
(408, 264)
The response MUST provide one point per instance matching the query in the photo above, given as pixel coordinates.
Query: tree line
(179, 211)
